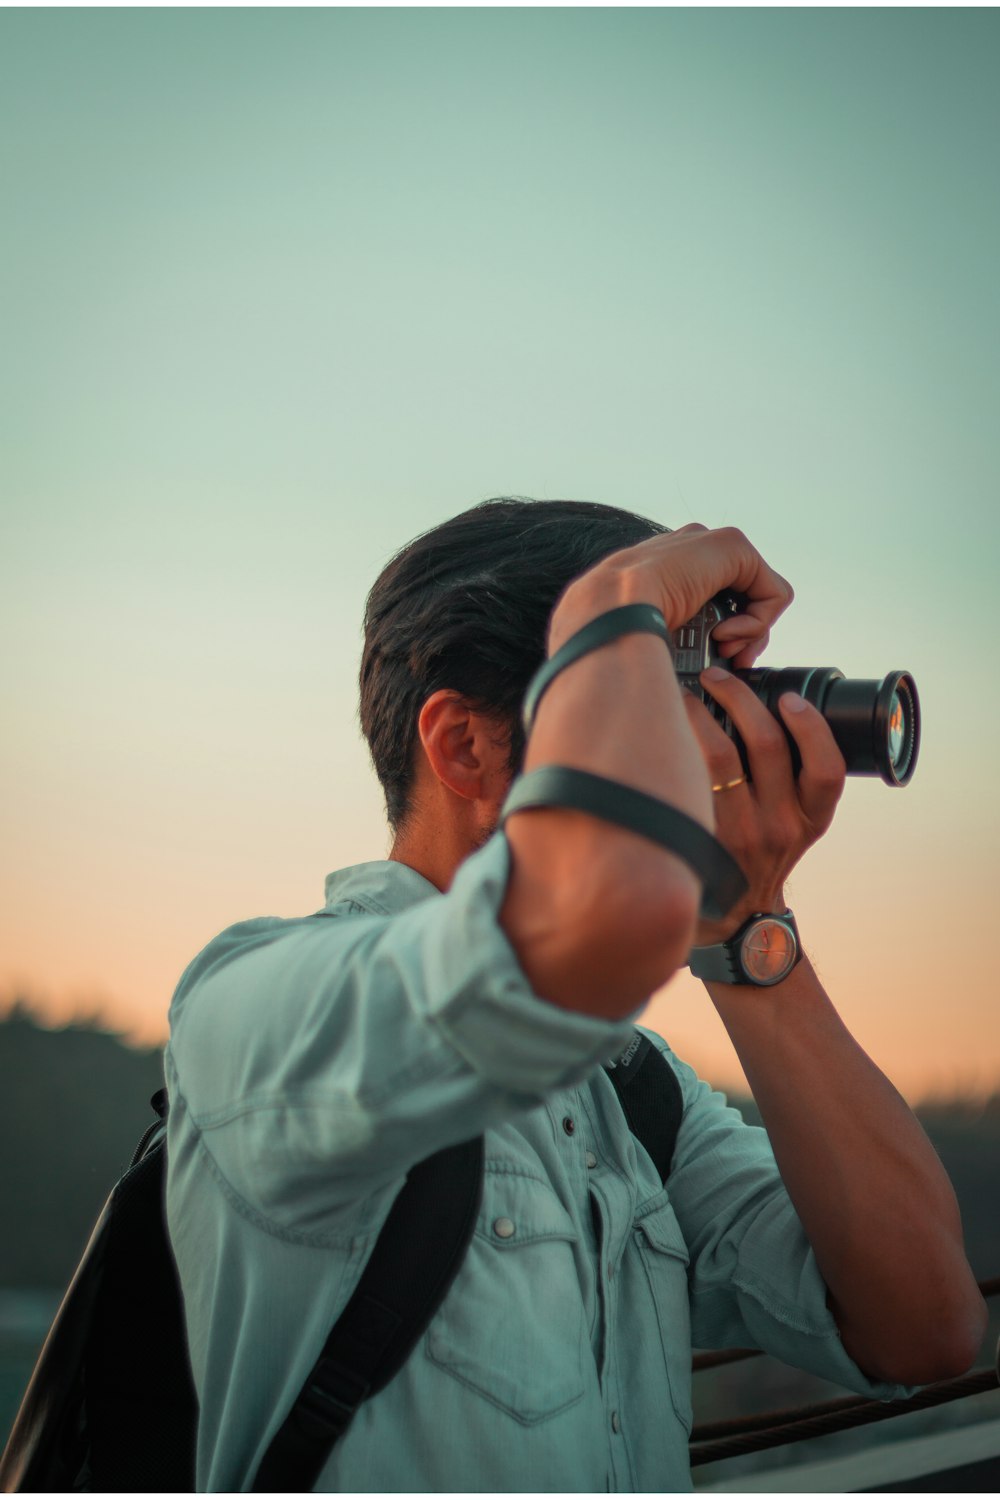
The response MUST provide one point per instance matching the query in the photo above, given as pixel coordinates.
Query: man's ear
(465, 749)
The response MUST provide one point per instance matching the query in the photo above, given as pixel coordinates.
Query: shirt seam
(607, 1158)
(306, 1096)
(364, 903)
(781, 1311)
(254, 1216)
(315, 1241)
(500, 1168)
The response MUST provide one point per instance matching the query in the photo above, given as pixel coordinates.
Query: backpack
(111, 1404)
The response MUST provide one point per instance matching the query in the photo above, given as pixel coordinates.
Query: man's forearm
(873, 1198)
(599, 917)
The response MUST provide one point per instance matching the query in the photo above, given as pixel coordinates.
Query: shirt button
(503, 1228)
(569, 1125)
(591, 1159)
(616, 1425)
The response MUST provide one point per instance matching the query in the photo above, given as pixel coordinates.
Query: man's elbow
(652, 928)
(956, 1345)
(941, 1345)
(601, 939)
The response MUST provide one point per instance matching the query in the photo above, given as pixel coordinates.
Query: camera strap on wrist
(723, 882)
(626, 620)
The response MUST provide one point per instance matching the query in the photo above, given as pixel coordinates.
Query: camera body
(875, 722)
(693, 648)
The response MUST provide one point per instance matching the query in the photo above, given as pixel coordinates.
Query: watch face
(768, 951)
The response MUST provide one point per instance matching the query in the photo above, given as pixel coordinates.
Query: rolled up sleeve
(319, 1059)
(753, 1275)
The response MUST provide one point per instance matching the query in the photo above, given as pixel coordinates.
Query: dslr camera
(876, 723)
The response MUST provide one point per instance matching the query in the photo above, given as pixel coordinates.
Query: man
(475, 982)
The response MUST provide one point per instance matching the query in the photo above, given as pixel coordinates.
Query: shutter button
(569, 1125)
(503, 1228)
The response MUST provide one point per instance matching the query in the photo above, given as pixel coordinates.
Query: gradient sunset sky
(284, 288)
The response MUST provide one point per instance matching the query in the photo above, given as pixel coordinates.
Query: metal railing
(711, 1441)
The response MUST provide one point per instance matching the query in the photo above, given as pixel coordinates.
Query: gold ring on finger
(727, 786)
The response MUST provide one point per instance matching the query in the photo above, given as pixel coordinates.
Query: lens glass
(897, 729)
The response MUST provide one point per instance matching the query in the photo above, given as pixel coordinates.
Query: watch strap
(718, 963)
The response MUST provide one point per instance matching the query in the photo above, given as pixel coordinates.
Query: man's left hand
(769, 822)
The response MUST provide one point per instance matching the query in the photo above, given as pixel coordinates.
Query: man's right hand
(598, 916)
(679, 572)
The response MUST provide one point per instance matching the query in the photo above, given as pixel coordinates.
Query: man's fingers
(695, 562)
(720, 754)
(824, 770)
(769, 594)
(741, 639)
(820, 782)
(739, 625)
(766, 745)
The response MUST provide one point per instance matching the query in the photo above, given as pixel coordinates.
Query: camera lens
(896, 726)
(876, 724)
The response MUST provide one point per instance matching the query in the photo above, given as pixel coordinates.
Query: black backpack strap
(417, 1253)
(650, 1095)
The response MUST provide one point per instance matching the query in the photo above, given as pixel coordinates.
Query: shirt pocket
(512, 1327)
(664, 1256)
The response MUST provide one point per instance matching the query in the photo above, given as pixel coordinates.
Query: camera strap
(626, 620)
(723, 882)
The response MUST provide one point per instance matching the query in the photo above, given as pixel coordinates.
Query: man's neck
(442, 830)
(431, 854)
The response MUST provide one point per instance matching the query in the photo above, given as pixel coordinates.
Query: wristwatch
(764, 951)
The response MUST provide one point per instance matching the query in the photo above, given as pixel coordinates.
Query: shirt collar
(383, 886)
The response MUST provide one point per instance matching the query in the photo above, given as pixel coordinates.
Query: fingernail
(793, 703)
(715, 674)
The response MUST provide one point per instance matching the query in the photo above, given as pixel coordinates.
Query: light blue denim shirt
(312, 1062)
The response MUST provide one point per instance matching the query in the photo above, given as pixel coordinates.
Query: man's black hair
(466, 606)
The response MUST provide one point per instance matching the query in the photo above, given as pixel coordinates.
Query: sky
(283, 288)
